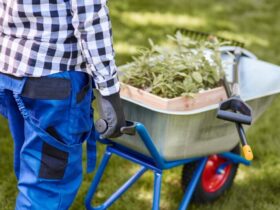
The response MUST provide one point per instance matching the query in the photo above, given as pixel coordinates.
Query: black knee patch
(53, 162)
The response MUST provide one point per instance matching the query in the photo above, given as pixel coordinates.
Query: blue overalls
(49, 118)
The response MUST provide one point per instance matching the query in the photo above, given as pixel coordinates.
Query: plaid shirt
(42, 37)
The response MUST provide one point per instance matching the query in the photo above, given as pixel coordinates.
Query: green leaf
(197, 77)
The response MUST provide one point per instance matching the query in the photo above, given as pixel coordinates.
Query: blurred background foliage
(254, 22)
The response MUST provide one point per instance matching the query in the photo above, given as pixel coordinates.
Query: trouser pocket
(58, 161)
(50, 158)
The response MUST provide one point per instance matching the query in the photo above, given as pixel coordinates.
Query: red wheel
(216, 172)
(217, 177)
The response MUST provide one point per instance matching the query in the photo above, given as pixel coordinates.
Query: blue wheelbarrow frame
(155, 163)
(252, 72)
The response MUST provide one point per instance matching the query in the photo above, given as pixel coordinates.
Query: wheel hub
(215, 173)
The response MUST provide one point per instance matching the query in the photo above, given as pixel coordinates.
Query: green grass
(255, 22)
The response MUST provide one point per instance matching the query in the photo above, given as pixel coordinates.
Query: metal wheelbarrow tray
(197, 132)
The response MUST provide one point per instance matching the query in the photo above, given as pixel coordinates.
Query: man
(50, 52)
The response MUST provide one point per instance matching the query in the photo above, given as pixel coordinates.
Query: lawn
(254, 22)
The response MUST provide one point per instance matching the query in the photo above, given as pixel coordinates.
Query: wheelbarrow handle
(130, 129)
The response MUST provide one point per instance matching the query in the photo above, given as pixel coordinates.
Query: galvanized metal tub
(180, 135)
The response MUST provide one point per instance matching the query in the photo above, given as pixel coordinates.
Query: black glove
(111, 114)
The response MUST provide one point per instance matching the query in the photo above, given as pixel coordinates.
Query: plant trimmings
(183, 67)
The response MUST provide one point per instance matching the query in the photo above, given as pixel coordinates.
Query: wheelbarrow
(206, 147)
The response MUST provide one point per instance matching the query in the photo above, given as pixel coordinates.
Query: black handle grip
(234, 117)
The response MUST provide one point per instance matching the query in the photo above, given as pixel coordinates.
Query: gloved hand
(111, 114)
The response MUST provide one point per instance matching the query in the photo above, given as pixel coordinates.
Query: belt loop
(9, 82)
(80, 95)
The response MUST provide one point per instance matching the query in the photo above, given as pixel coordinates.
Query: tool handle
(234, 117)
(247, 152)
(240, 112)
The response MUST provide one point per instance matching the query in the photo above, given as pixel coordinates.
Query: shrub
(181, 67)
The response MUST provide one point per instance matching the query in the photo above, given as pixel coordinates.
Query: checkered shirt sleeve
(92, 27)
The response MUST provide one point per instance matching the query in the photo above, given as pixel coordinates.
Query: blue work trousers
(49, 120)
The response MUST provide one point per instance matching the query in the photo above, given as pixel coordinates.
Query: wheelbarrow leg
(157, 189)
(96, 179)
(191, 187)
(115, 195)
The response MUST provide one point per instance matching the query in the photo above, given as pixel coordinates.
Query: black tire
(200, 195)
